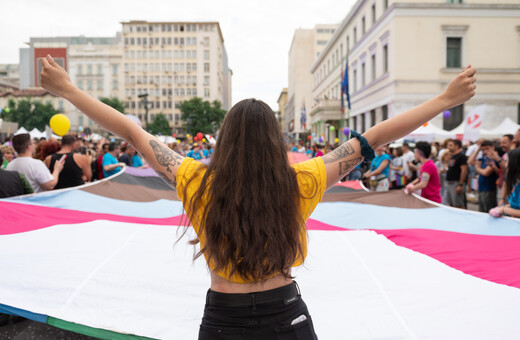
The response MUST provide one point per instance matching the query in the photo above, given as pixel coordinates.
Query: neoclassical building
(402, 53)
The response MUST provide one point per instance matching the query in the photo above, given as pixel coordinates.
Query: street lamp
(144, 100)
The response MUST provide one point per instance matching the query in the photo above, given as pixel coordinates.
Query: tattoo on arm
(166, 158)
(341, 152)
(346, 166)
(167, 179)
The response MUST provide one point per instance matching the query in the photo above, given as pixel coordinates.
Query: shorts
(487, 200)
(278, 313)
(451, 197)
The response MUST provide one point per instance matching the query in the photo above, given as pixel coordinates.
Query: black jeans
(273, 314)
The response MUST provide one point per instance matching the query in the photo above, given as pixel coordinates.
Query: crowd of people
(451, 173)
(34, 165)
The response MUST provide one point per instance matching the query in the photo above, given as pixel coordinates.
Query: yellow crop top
(312, 185)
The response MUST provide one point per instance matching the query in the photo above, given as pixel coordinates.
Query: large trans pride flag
(100, 260)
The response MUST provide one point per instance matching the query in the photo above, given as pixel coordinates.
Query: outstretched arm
(342, 160)
(161, 158)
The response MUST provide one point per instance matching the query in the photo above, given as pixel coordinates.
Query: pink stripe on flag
(19, 218)
(356, 185)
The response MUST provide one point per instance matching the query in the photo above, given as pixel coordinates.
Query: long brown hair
(251, 221)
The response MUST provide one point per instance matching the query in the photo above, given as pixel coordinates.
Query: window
(453, 52)
(354, 123)
(206, 93)
(206, 67)
(454, 120)
(114, 69)
(194, 66)
(363, 26)
(89, 84)
(100, 84)
(188, 92)
(80, 69)
(363, 73)
(363, 121)
(115, 85)
(355, 35)
(182, 92)
(373, 67)
(194, 92)
(188, 67)
(384, 110)
(206, 55)
(348, 45)
(80, 84)
(206, 41)
(89, 69)
(99, 69)
(373, 14)
(385, 59)
(206, 80)
(355, 80)
(81, 120)
(372, 118)
(454, 1)
(385, 4)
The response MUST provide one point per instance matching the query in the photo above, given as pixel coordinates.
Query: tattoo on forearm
(347, 166)
(165, 157)
(341, 152)
(167, 179)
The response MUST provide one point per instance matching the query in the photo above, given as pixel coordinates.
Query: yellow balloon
(336, 140)
(204, 140)
(188, 135)
(178, 141)
(60, 124)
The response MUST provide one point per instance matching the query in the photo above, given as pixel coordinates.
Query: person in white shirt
(34, 170)
(408, 157)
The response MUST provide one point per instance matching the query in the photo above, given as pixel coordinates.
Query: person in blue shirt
(379, 170)
(488, 169)
(195, 152)
(110, 163)
(512, 187)
(136, 161)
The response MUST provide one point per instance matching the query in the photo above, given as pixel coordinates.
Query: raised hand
(462, 87)
(54, 78)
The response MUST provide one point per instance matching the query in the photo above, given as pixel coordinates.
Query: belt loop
(297, 288)
(253, 300)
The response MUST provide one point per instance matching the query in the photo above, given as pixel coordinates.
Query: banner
(473, 123)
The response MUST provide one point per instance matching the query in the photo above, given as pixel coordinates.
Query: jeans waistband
(287, 294)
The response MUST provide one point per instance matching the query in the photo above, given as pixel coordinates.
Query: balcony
(326, 109)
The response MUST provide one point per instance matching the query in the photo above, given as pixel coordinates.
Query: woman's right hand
(461, 88)
(54, 78)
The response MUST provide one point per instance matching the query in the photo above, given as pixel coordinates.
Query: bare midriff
(220, 284)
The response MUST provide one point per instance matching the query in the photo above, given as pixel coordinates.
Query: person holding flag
(249, 206)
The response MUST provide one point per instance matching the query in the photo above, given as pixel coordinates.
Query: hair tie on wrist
(366, 150)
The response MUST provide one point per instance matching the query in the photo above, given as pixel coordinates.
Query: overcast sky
(257, 33)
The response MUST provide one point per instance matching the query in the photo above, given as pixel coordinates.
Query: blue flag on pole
(344, 87)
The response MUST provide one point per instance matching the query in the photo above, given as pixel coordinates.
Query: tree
(114, 102)
(202, 116)
(28, 113)
(159, 125)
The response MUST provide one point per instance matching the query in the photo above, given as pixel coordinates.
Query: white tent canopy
(508, 126)
(35, 133)
(20, 131)
(429, 133)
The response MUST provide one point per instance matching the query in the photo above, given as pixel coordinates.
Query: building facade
(306, 46)
(282, 103)
(170, 62)
(402, 53)
(93, 63)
